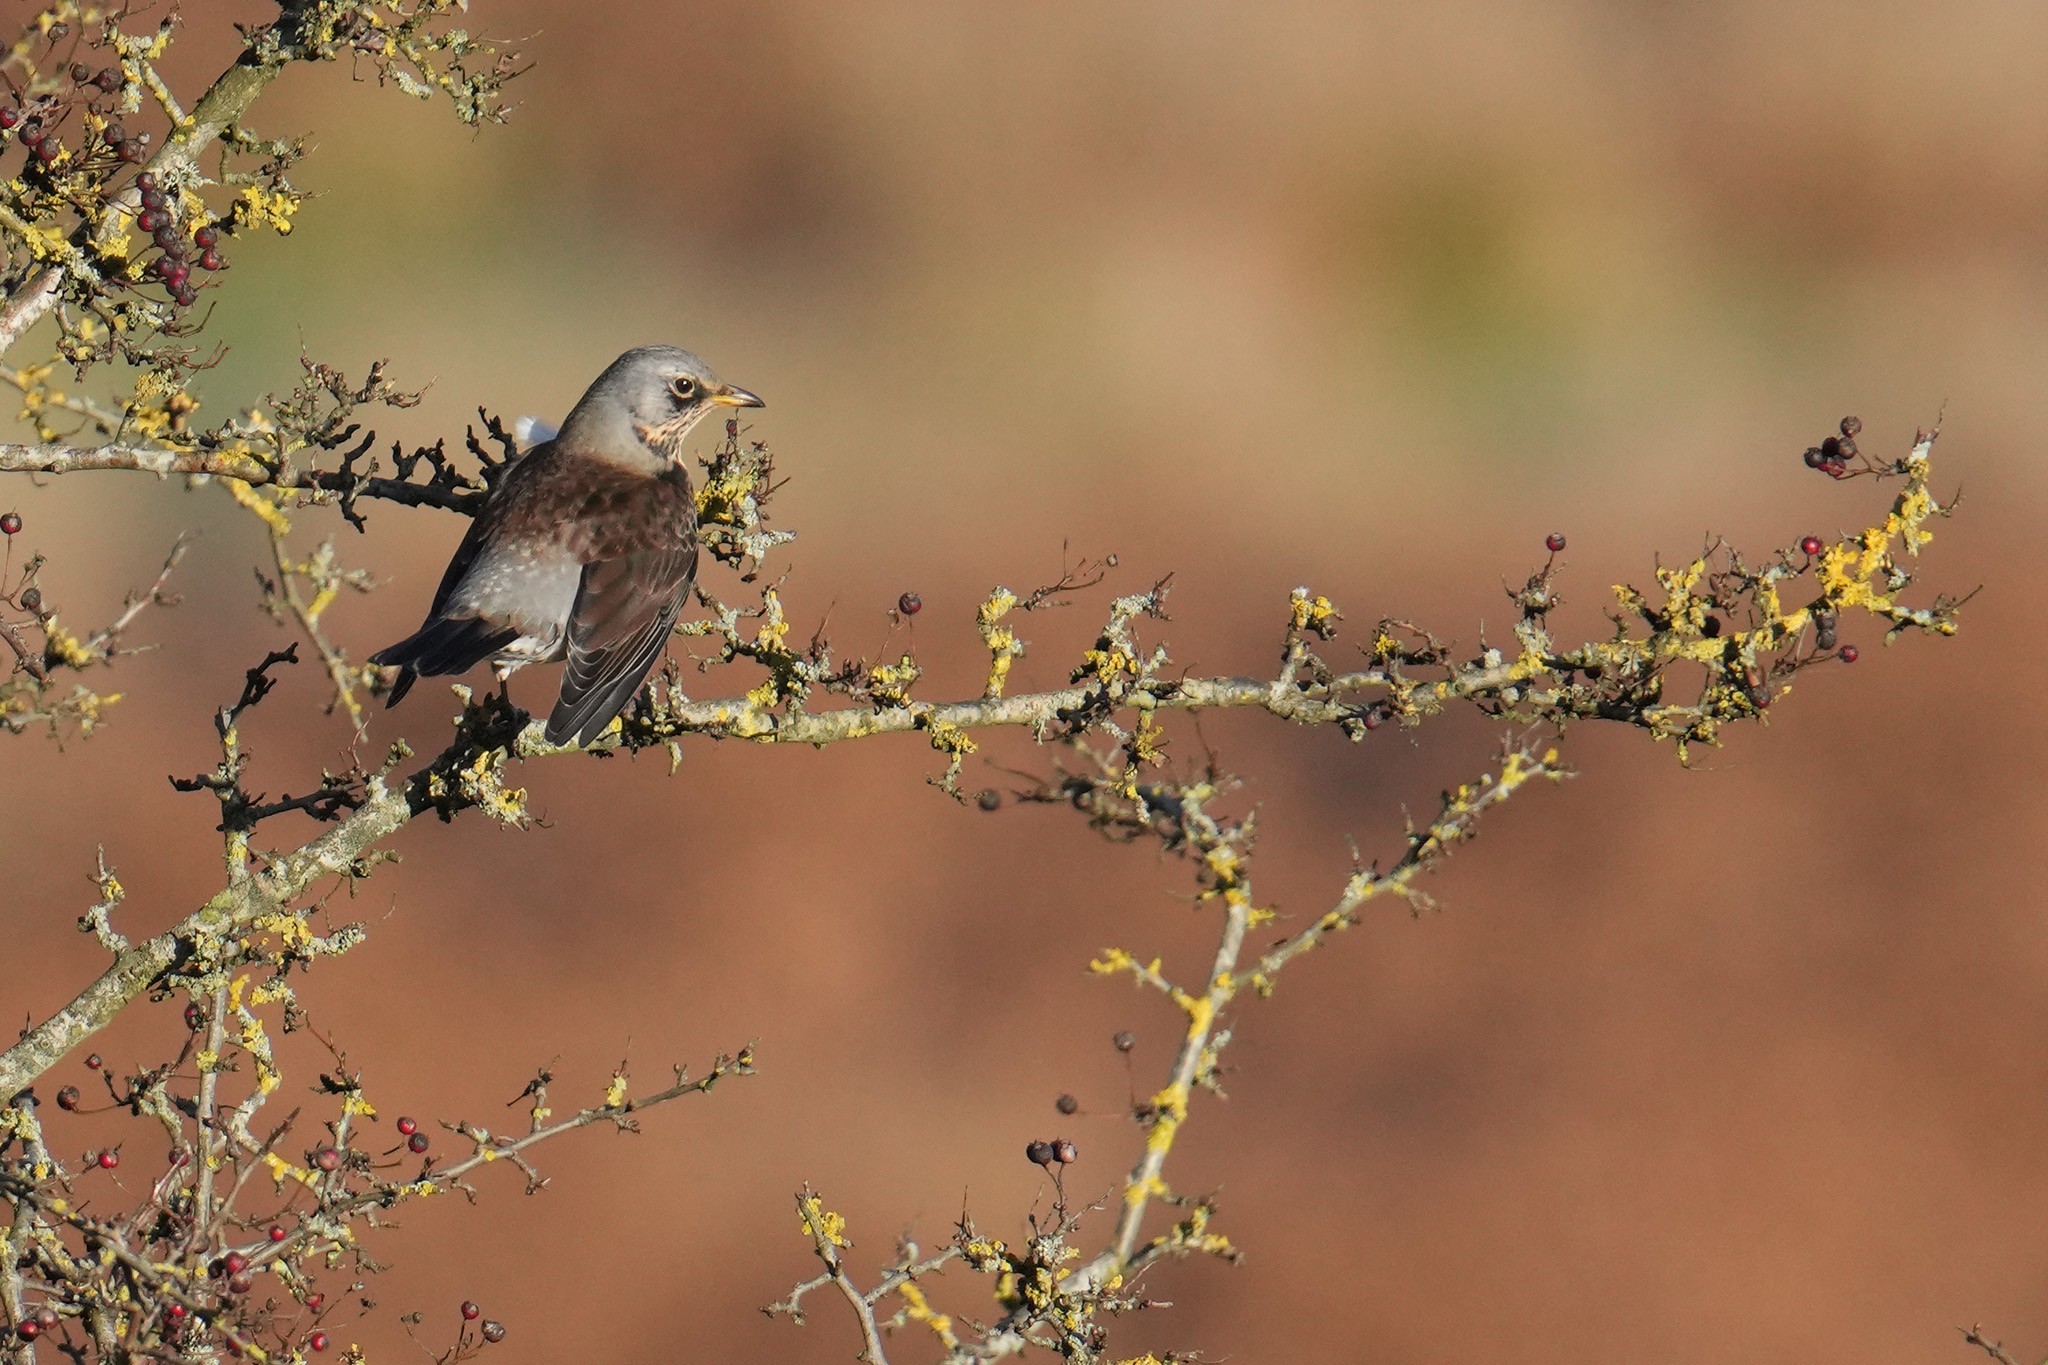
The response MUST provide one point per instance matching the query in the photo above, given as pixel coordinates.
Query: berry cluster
(1832, 456)
(160, 219)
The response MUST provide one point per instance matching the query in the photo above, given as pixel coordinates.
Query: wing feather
(625, 609)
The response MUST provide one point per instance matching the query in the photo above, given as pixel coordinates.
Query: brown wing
(624, 611)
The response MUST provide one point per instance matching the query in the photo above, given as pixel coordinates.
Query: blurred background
(1745, 1061)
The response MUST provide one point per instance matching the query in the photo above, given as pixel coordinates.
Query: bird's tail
(443, 645)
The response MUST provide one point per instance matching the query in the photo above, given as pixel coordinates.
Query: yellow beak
(733, 396)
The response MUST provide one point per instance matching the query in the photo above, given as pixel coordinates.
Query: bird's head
(645, 403)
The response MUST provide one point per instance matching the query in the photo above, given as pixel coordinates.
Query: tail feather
(441, 646)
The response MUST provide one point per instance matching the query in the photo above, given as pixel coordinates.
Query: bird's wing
(624, 611)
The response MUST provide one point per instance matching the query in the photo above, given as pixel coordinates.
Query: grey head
(639, 410)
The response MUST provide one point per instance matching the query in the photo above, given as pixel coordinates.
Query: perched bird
(585, 548)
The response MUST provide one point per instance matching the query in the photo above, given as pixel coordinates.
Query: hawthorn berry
(242, 1283)
(1554, 542)
(46, 1317)
(328, 1158)
(1811, 546)
(113, 133)
(175, 1311)
(408, 1126)
(1849, 654)
(9, 118)
(80, 72)
(417, 1142)
(49, 149)
(183, 294)
(317, 1342)
(150, 219)
(129, 150)
(493, 1330)
(10, 523)
(109, 1159)
(168, 238)
(1038, 1153)
(1066, 1104)
(92, 1059)
(470, 1312)
(109, 80)
(235, 1262)
(1065, 1152)
(206, 237)
(30, 1330)
(989, 799)
(195, 1017)
(910, 604)
(177, 274)
(67, 1098)
(1851, 425)
(1125, 1040)
(209, 259)
(146, 181)
(277, 1232)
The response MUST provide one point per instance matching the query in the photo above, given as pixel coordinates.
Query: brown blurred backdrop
(1739, 1063)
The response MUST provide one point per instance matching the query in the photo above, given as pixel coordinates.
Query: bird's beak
(733, 396)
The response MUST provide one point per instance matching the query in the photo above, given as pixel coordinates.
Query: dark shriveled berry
(1065, 1152)
(989, 799)
(109, 80)
(67, 1098)
(195, 1017)
(1038, 1153)
(46, 1317)
(130, 151)
(1851, 425)
(417, 1143)
(493, 1330)
(1125, 1040)
(910, 604)
(1066, 1104)
(1816, 458)
(183, 294)
(150, 219)
(169, 239)
(1824, 639)
(113, 133)
(80, 72)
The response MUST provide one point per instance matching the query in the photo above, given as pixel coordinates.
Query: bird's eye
(683, 387)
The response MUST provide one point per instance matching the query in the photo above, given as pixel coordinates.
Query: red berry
(318, 1341)
(10, 524)
(80, 72)
(46, 1317)
(146, 181)
(195, 1017)
(109, 1159)
(109, 80)
(277, 1232)
(910, 604)
(177, 274)
(92, 1059)
(242, 1283)
(235, 1262)
(1811, 546)
(470, 1312)
(67, 1098)
(49, 149)
(30, 1330)
(417, 1142)
(1849, 654)
(9, 117)
(408, 1126)
(209, 259)
(205, 237)
(1554, 542)
(129, 151)
(1064, 1152)
(175, 1311)
(328, 1158)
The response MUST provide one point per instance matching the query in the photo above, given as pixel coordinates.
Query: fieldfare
(585, 549)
